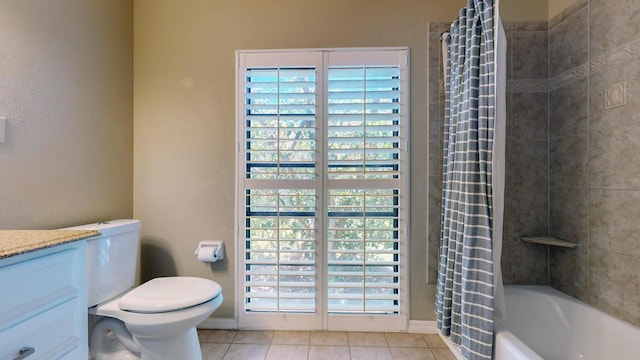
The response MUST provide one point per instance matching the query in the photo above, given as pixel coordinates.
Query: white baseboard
(415, 326)
(422, 327)
(219, 324)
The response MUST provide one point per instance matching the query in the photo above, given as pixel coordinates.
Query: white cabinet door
(43, 304)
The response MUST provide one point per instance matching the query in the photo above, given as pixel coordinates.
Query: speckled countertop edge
(16, 242)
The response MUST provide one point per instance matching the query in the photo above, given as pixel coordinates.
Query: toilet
(154, 321)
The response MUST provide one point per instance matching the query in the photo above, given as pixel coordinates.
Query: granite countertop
(16, 242)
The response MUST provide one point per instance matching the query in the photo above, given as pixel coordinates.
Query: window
(322, 187)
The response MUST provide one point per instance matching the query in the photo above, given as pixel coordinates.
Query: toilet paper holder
(210, 251)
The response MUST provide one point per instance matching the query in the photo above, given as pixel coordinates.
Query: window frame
(321, 60)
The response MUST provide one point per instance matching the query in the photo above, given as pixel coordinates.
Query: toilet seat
(167, 294)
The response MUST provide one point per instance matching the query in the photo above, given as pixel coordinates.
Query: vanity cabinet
(43, 304)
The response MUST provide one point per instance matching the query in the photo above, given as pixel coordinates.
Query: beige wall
(185, 120)
(557, 6)
(66, 89)
(524, 10)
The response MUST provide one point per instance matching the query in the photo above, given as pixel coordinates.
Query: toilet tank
(112, 258)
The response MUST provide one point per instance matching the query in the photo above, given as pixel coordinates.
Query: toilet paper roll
(210, 251)
(207, 254)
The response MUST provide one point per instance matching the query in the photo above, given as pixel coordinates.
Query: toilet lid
(169, 294)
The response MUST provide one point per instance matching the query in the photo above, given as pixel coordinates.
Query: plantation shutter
(280, 123)
(363, 196)
(323, 188)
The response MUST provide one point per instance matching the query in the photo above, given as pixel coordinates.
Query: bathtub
(543, 323)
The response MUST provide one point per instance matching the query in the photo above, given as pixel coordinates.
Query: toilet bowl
(154, 321)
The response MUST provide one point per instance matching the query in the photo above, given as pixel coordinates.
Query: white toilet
(154, 321)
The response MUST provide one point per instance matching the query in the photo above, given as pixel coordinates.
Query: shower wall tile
(528, 209)
(435, 121)
(530, 54)
(435, 46)
(593, 154)
(614, 221)
(609, 70)
(612, 23)
(568, 161)
(524, 263)
(568, 109)
(436, 116)
(433, 246)
(569, 214)
(435, 193)
(568, 43)
(532, 114)
(509, 37)
(569, 271)
(614, 283)
(434, 84)
(613, 158)
(435, 156)
(528, 26)
(527, 166)
(526, 193)
(435, 51)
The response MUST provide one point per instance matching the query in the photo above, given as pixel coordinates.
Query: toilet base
(184, 347)
(115, 343)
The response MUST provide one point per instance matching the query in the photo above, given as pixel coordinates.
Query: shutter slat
(363, 128)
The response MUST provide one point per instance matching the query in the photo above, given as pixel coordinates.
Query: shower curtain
(471, 228)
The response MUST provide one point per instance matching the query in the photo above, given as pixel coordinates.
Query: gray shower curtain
(465, 293)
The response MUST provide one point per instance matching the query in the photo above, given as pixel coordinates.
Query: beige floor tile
(217, 336)
(329, 353)
(370, 353)
(338, 338)
(213, 351)
(366, 339)
(290, 338)
(405, 340)
(253, 337)
(408, 353)
(288, 352)
(443, 354)
(434, 341)
(246, 352)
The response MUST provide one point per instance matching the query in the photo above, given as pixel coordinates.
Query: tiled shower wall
(573, 154)
(595, 153)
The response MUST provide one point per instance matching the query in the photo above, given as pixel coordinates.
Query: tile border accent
(622, 55)
(577, 73)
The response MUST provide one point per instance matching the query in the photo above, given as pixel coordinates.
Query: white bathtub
(543, 323)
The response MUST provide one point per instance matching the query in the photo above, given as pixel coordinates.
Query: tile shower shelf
(548, 240)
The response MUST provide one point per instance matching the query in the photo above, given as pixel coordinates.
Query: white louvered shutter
(279, 199)
(363, 171)
(323, 188)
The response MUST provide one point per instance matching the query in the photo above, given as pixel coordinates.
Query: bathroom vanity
(43, 297)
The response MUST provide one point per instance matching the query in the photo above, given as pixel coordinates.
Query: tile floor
(319, 345)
